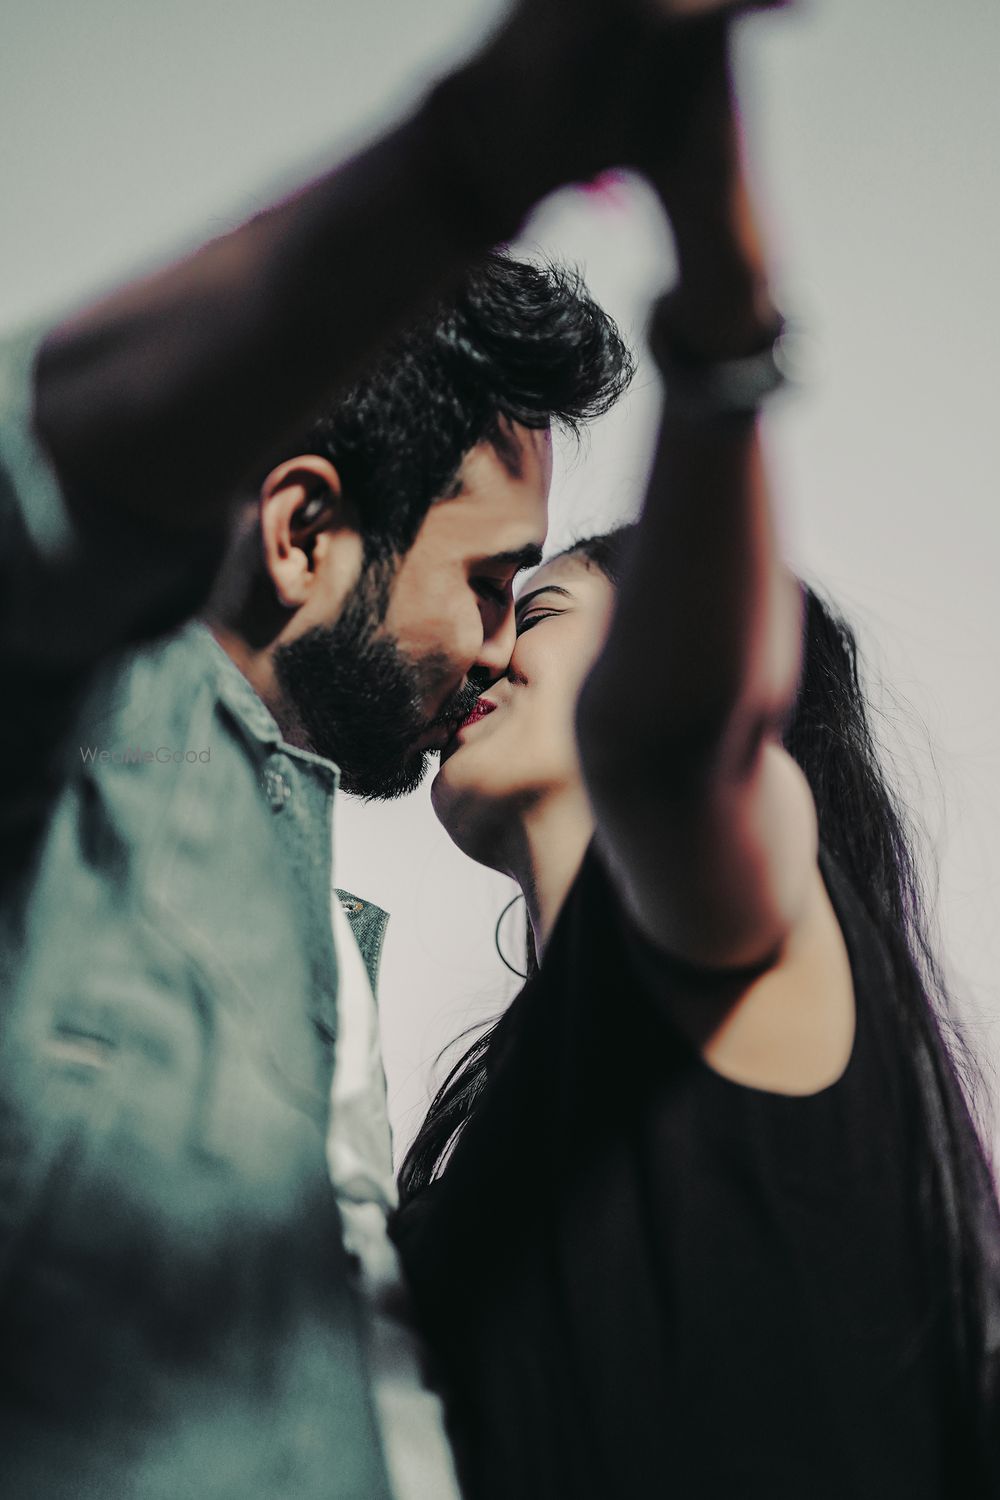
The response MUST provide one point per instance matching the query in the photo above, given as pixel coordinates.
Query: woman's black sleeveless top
(641, 1279)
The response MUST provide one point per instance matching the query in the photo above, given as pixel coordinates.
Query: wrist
(724, 315)
(717, 371)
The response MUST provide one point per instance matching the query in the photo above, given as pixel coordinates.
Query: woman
(705, 1213)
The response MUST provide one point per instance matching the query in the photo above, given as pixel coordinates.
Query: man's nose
(498, 647)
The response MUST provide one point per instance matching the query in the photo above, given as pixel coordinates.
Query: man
(368, 596)
(180, 1306)
(180, 1291)
(175, 1004)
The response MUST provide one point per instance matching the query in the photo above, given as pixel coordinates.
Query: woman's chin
(453, 769)
(471, 818)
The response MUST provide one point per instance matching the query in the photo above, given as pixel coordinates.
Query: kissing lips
(480, 709)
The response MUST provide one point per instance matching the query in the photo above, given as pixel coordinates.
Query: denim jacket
(175, 1302)
(368, 924)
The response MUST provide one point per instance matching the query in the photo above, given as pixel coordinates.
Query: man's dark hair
(514, 340)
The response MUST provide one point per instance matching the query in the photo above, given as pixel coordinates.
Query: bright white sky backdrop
(131, 129)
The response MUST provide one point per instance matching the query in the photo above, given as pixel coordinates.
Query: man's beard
(358, 698)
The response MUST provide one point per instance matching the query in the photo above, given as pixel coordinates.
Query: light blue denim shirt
(177, 1311)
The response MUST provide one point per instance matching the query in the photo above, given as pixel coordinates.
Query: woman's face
(519, 746)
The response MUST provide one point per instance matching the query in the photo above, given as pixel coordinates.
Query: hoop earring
(521, 974)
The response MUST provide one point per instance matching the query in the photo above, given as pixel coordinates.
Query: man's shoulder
(144, 700)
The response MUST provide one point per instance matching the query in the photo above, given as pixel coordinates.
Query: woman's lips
(480, 709)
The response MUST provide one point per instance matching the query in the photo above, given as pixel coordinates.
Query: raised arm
(154, 406)
(706, 821)
(160, 399)
(190, 377)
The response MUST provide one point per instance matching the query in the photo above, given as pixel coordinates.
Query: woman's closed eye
(532, 617)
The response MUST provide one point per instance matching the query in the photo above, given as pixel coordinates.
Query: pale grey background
(131, 129)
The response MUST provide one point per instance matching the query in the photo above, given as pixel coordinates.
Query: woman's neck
(552, 839)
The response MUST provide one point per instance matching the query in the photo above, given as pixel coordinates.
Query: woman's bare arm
(707, 822)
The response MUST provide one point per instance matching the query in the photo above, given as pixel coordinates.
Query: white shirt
(359, 1153)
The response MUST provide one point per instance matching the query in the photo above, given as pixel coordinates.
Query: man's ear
(303, 518)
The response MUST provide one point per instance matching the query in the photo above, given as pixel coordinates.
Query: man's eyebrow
(546, 588)
(521, 557)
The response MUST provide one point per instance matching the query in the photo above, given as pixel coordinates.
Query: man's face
(378, 689)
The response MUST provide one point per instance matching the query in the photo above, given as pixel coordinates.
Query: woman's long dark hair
(866, 831)
(458, 1095)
